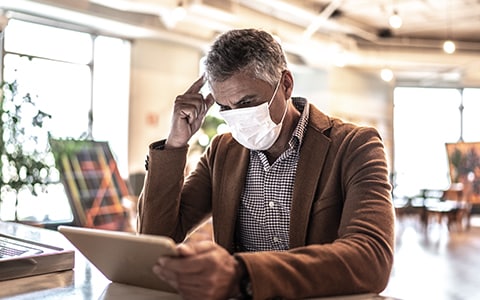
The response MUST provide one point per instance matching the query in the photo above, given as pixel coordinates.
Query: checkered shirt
(264, 213)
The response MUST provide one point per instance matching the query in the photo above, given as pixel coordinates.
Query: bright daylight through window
(424, 120)
(77, 78)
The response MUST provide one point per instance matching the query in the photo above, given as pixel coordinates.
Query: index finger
(196, 86)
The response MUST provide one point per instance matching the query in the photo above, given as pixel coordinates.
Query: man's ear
(287, 84)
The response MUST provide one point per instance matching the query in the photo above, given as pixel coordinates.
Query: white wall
(363, 99)
(351, 95)
(159, 72)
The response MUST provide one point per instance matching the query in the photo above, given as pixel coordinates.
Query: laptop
(123, 257)
(11, 248)
(22, 258)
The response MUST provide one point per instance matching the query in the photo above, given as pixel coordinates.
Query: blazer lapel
(233, 173)
(313, 153)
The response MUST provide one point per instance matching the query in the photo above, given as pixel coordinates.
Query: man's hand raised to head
(188, 114)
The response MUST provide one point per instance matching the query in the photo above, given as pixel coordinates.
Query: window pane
(111, 91)
(424, 120)
(53, 65)
(471, 119)
(49, 42)
(59, 89)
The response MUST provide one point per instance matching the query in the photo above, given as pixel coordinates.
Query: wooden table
(85, 281)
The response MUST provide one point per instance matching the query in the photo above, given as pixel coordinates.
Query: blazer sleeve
(169, 203)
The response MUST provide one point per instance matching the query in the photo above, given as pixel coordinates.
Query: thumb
(196, 247)
(209, 100)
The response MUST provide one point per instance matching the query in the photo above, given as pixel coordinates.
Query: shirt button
(271, 204)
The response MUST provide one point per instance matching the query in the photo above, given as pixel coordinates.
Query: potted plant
(26, 162)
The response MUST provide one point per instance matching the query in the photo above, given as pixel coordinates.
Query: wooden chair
(452, 207)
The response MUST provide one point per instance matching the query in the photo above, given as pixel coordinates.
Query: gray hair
(252, 51)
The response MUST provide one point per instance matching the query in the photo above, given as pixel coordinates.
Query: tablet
(123, 257)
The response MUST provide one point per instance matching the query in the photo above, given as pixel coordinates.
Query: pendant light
(448, 46)
(395, 20)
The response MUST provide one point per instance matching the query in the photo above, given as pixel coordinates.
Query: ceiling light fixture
(172, 17)
(179, 12)
(386, 74)
(448, 46)
(395, 20)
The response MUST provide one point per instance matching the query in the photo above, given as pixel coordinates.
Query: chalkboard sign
(92, 182)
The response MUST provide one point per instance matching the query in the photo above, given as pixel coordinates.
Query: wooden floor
(435, 263)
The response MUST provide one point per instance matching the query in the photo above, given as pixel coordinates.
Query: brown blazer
(342, 217)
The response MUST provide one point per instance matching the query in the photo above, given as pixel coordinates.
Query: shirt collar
(301, 104)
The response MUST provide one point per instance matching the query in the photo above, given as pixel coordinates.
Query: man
(300, 202)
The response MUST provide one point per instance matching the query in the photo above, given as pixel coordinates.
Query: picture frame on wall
(464, 167)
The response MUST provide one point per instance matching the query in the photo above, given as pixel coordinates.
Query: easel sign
(92, 182)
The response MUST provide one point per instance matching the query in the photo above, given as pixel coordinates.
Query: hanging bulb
(395, 20)
(174, 16)
(179, 12)
(449, 47)
(386, 74)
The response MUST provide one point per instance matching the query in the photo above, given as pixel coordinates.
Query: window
(424, 120)
(471, 120)
(81, 80)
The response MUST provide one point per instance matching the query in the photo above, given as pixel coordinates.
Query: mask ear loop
(274, 93)
(273, 96)
(284, 113)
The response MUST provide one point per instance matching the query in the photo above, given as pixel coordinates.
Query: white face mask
(253, 127)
